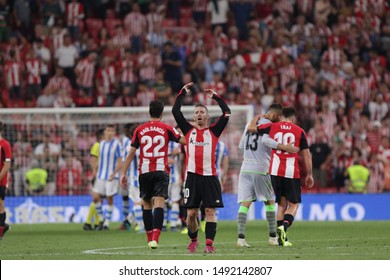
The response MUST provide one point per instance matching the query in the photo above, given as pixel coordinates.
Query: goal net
(59, 141)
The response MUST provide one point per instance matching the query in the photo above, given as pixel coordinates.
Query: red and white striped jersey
(106, 78)
(126, 68)
(121, 40)
(361, 89)
(148, 63)
(5, 156)
(56, 83)
(13, 71)
(135, 24)
(284, 164)
(201, 145)
(74, 13)
(333, 56)
(33, 69)
(144, 97)
(152, 20)
(85, 70)
(152, 138)
(305, 6)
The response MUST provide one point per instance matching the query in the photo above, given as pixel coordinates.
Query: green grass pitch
(311, 240)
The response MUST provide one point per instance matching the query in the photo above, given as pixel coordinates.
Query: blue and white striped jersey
(109, 153)
(174, 175)
(221, 151)
(132, 172)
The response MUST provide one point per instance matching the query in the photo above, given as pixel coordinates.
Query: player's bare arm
(309, 181)
(252, 127)
(125, 167)
(117, 169)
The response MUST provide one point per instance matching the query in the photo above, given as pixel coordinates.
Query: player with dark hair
(284, 168)
(152, 138)
(5, 164)
(254, 181)
(106, 184)
(202, 183)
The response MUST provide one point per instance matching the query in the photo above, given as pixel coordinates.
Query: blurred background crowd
(329, 59)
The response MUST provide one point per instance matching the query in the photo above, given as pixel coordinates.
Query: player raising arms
(254, 181)
(152, 138)
(5, 164)
(284, 168)
(202, 183)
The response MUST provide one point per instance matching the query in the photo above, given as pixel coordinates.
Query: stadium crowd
(329, 59)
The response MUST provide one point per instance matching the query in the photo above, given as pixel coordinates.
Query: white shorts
(254, 186)
(107, 188)
(174, 192)
(122, 191)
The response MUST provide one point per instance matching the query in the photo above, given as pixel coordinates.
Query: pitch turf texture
(311, 240)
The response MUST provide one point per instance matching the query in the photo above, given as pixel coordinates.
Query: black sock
(211, 230)
(279, 223)
(158, 218)
(147, 216)
(193, 235)
(288, 220)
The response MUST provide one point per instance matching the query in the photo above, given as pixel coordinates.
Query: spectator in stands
(69, 174)
(51, 11)
(218, 14)
(163, 89)
(136, 25)
(85, 72)
(358, 176)
(172, 65)
(74, 15)
(321, 158)
(13, 71)
(36, 178)
(22, 14)
(5, 12)
(48, 160)
(33, 72)
(66, 57)
(148, 62)
(22, 151)
(106, 83)
(42, 53)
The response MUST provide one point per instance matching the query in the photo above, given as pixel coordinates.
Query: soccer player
(152, 138)
(254, 181)
(132, 190)
(5, 164)
(93, 161)
(284, 169)
(202, 183)
(175, 184)
(106, 184)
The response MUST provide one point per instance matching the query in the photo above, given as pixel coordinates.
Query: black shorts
(287, 187)
(153, 184)
(205, 189)
(2, 192)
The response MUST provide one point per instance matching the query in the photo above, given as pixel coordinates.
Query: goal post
(71, 133)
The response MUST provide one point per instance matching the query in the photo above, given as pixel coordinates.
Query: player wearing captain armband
(202, 183)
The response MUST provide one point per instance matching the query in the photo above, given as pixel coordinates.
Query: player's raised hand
(187, 87)
(123, 181)
(210, 92)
